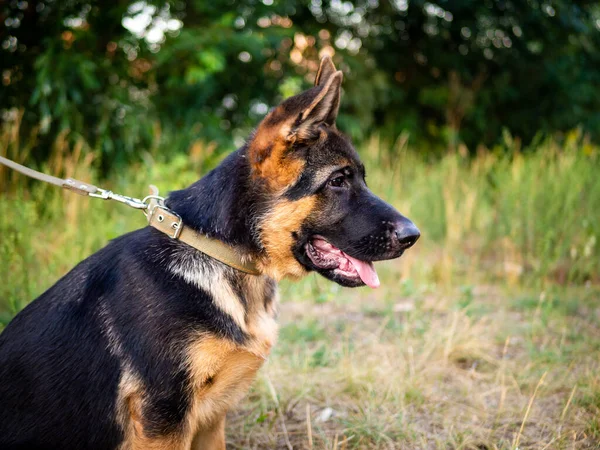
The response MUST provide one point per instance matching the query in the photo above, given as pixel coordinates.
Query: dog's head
(322, 216)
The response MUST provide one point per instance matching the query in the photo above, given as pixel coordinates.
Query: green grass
(502, 288)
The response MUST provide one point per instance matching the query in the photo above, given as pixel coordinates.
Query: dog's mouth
(345, 268)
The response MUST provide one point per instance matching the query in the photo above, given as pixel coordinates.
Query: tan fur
(212, 438)
(326, 69)
(129, 386)
(261, 324)
(268, 153)
(221, 372)
(129, 415)
(213, 281)
(227, 301)
(269, 159)
(322, 111)
(276, 231)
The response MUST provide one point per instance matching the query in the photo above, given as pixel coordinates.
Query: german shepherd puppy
(149, 342)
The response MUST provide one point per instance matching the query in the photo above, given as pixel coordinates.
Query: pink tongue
(366, 271)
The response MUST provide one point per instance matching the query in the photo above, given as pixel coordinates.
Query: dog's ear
(300, 118)
(322, 110)
(326, 69)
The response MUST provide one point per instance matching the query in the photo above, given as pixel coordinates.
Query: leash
(159, 216)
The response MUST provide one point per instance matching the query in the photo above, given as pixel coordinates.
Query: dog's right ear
(326, 69)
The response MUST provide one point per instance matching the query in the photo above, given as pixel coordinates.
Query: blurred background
(477, 119)
(124, 75)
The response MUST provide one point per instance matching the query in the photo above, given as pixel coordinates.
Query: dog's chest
(221, 370)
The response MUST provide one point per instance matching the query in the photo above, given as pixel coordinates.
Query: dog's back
(130, 338)
(56, 367)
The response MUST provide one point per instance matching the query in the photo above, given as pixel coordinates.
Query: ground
(412, 366)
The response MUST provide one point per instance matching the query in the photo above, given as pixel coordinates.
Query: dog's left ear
(322, 110)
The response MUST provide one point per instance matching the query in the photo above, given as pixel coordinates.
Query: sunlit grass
(501, 289)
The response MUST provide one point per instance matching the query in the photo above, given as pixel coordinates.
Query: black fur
(236, 202)
(61, 358)
(350, 217)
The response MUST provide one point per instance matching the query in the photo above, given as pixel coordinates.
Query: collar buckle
(165, 220)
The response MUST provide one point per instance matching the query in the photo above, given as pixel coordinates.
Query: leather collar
(167, 221)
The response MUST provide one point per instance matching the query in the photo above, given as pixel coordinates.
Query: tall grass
(451, 352)
(529, 217)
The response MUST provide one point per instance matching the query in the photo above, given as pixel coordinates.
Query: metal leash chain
(129, 201)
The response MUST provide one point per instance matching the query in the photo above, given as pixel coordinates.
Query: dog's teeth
(345, 265)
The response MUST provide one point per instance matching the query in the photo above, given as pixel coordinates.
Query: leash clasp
(109, 195)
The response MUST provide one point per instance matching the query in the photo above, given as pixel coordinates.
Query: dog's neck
(222, 205)
(219, 205)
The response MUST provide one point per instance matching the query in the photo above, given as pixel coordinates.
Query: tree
(461, 71)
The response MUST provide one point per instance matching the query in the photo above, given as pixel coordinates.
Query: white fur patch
(109, 331)
(210, 278)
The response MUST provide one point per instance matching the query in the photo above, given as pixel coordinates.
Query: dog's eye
(337, 181)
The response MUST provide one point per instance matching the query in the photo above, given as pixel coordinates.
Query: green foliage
(448, 72)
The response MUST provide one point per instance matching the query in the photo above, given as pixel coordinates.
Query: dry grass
(486, 335)
(422, 369)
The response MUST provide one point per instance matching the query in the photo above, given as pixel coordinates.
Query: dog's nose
(406, 233)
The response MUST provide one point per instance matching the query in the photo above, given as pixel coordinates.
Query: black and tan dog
(147, 343)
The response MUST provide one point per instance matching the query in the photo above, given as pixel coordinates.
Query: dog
(149, 342)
